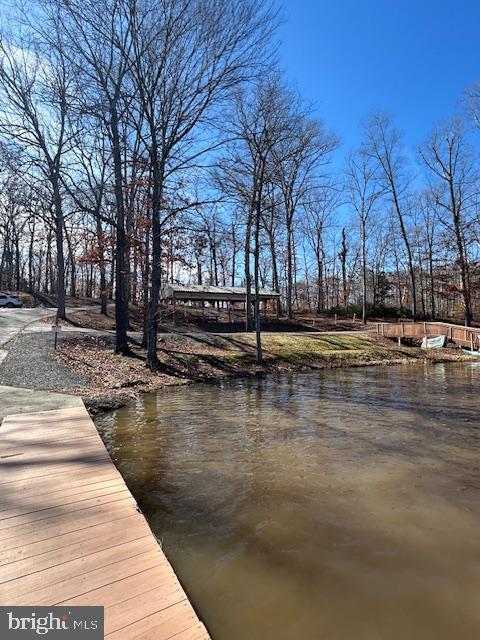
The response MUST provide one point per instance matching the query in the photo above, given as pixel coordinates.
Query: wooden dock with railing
(468, 337)
(72, 534)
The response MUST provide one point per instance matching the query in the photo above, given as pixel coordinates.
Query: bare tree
(318, 218)
(88, 181)
(94, 36)
(452, 164)
(187, 58)
(342, 254)
(249, 167)
(429, 216)
(299, 156)
(384, 145)
(364, 193)
(271, 221)
(35, 89)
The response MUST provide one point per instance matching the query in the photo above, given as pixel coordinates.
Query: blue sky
(411, 58)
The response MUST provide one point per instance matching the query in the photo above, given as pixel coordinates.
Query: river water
(339, 505)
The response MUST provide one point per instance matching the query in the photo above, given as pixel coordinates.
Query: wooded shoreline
(186, 359)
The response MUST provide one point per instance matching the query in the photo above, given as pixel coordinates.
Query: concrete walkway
(14, 400)
(12, 321)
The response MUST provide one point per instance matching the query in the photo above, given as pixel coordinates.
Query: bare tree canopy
(148, 141)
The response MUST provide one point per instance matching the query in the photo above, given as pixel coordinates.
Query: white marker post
(56, 328)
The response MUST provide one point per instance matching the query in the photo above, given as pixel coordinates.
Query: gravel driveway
(28, 364)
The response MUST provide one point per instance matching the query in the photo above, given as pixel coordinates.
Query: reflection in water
(337, 505)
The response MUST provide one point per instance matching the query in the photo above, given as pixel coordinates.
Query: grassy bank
(206, 358)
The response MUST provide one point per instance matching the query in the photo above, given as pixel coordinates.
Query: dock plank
(36, 504)
(61, 510)
(51, 527)
(122, 590)
(161, 625)
(43, 547)
(72, 533)
(74, 588)
(76, 547)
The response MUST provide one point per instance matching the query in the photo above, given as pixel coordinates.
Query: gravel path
(28, 364)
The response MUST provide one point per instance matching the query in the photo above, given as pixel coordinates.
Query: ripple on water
(339, 504)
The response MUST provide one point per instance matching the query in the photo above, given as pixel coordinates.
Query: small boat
(471, 352)
(434, 343)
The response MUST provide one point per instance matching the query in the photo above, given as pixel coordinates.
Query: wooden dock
(71, 532)
(468, 337)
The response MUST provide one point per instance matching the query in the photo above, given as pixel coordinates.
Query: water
(338, 505)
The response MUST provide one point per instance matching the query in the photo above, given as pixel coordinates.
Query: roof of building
(170, 290)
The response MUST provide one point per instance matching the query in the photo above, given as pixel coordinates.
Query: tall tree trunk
(320, 287)
(71, 260)
(59, 225)
(432, 284)
(411, 268)
(48, 264)
(422, 287)
(289, 270)
(258, 334)
(145, 283)
(343, 261)
(157, 196)
(275, 278)
(248, 277)
(17, 264)
(364, 270)
(462, 259)
(213, 259)
(234, 254)
(307, 280)
(31, 280)
(102, 269)
(121, 296)
(199, 271)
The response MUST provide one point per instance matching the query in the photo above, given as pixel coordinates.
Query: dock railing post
(402, 333)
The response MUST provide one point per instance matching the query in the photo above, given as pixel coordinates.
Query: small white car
(10, 302)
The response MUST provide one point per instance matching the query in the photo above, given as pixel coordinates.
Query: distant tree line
(145, 141)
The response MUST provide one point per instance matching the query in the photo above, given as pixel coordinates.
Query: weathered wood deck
(71, 532)
(462, 336)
